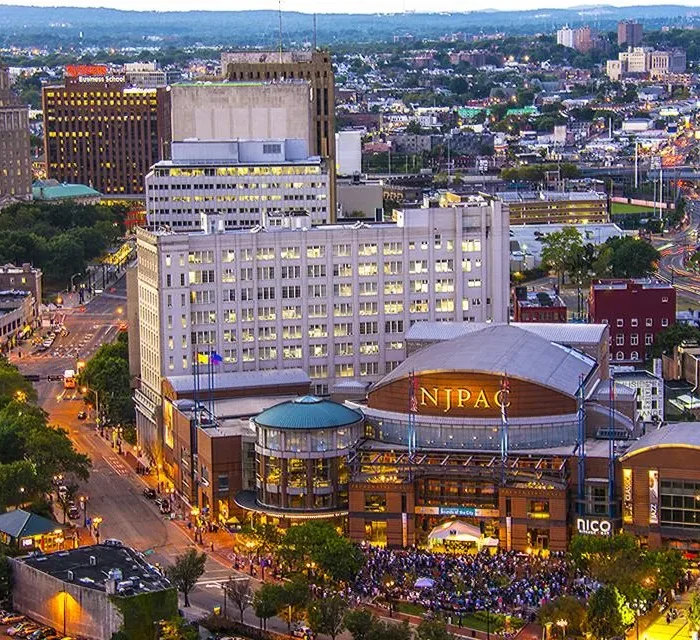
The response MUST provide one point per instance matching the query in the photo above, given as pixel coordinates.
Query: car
(149, 493)
(43, 632)
(112, 542)
(28, 631)
(63, 491)
(17, 628)
(300, 631)
(12, 618)
(165, 507)
(73, 513)
(82, 415)
(97, 292)
(47, 344)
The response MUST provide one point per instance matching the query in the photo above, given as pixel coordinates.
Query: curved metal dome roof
(308, 412)
(501, 349)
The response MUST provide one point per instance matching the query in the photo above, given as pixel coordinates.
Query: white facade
(243, 180)
(348, 152)
(333, 300)
(565, 37)
(650, 394)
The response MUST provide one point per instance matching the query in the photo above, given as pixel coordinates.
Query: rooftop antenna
(279, 5)
(315, 33)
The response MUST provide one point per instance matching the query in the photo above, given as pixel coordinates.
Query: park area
(622, 208)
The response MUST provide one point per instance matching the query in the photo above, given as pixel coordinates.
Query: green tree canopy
(327, 615)
(631, 257)
(606, 613)
(558, 248)
(432, 630)
(674, 336)
(267, 602)
(187, 569)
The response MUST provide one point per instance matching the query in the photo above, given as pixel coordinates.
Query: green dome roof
(308, 412)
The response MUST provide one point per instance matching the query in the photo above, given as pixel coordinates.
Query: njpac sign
(594, 526)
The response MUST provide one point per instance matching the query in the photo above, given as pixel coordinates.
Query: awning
(455, 531)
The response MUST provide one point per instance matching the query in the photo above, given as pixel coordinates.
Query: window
(316, 270)
(266, 293)
(289, 253)
(538, 509)
(368, 309)
(619, 340)
(318, 350)
(368, 328)
(344, 250)
(342, 270)
(266, 273)
(634, 340)
(444, 266)
(344, 371)
(292, 332)
(368, 288)
(393, 268)
(342, 309)
(369, 368)
(317, 291)
(419, 306)
(650, 322)
(664, 322)
(316, 251)
(342, 329)
(291, 272)
(292, 291)
(393, 306)
(367, 269)
(634, 355)
(619, 355)
(369, 348)
(393, 326)
(317, 311)
(272, 148)
(318, 331)
(266, 253)
(648, 339)
(393, 249)
(267, 353)
(620, 322)
(635, 322)
(343, 290)
(375, 502)
(292, 352)
(393, 287)
(344, 348)
(418, 266)
(367, 249)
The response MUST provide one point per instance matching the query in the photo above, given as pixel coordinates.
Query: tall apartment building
(243, 180)
(15, 154)
(646, 61)
(101, 132)
(333, 300)
(636, 310)
(313, 66)
(581, 39)
(629, 32)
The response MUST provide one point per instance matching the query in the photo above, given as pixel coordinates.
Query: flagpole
(210, 364)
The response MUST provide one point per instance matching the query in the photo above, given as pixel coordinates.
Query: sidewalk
(659, 629)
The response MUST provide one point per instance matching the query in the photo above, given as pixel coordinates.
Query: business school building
(484, 427)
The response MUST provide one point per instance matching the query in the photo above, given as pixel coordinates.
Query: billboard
(77, 70)
(653, 496)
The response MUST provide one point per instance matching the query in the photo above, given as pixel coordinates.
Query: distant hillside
(109, 27)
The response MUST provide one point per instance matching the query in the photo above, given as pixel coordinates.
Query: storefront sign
(103, 79)
(653, 496)
(456, 511)
(404, 530)
(447, 398)
(627, 504)
(594, 526)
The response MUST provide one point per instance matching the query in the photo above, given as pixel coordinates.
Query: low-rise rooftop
(95, 566)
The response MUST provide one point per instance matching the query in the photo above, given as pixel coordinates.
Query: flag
(203, 358)
(412, 400)
(216, 358)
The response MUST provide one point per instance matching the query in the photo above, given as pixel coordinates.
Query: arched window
(620, 355)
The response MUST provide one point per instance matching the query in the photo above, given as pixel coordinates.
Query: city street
(114, 490)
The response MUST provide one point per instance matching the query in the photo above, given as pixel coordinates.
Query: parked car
(149, 493)
(12, 618)
(73, 513)
(112, 542)
(82, 415)
(17, 628)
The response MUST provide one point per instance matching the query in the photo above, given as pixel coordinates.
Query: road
(114, 491)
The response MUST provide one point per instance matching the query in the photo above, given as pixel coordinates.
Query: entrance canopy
(455, 531)
(458, 531)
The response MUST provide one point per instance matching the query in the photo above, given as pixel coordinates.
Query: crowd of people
(508, 582)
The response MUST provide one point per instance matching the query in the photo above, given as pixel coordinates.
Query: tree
(432, 630)
(266, 536)
(693, 613)
(631, 257)
(188, 568)
(674, 336)
(66, 497)
(391, 631)
(360, 622)
(178, 629)
(237, 590)
(564, 608)
(267, 602)
(558, 246)
(295, 596)
(5, 579)
(328, 615)
(605, 617)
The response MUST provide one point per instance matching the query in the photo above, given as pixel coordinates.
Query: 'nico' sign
(594, 526)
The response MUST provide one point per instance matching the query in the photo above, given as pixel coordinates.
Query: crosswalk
(116, 465)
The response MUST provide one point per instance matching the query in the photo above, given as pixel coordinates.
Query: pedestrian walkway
(660, 629)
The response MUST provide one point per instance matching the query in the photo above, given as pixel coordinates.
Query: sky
(333, 6)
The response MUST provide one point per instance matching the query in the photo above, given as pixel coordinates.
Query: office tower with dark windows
(15, 156)
(101, 132)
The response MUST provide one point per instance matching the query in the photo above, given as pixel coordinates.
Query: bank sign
(594, 526)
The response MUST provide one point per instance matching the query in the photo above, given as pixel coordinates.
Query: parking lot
(27, 629)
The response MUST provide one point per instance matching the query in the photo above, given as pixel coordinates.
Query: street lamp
(562, 624)
(83, 506)
(96, 522)
(84, 390)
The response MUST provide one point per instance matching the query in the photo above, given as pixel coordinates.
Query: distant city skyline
(332, 6)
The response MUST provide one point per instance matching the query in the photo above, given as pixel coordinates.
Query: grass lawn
(468, 620)
(621, 207)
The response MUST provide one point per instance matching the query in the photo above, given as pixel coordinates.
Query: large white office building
(334, 300)
(243, 180)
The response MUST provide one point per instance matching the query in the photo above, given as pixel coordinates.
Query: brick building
(103, 133)
(635, 310)
(538, 306)
(15, 156)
